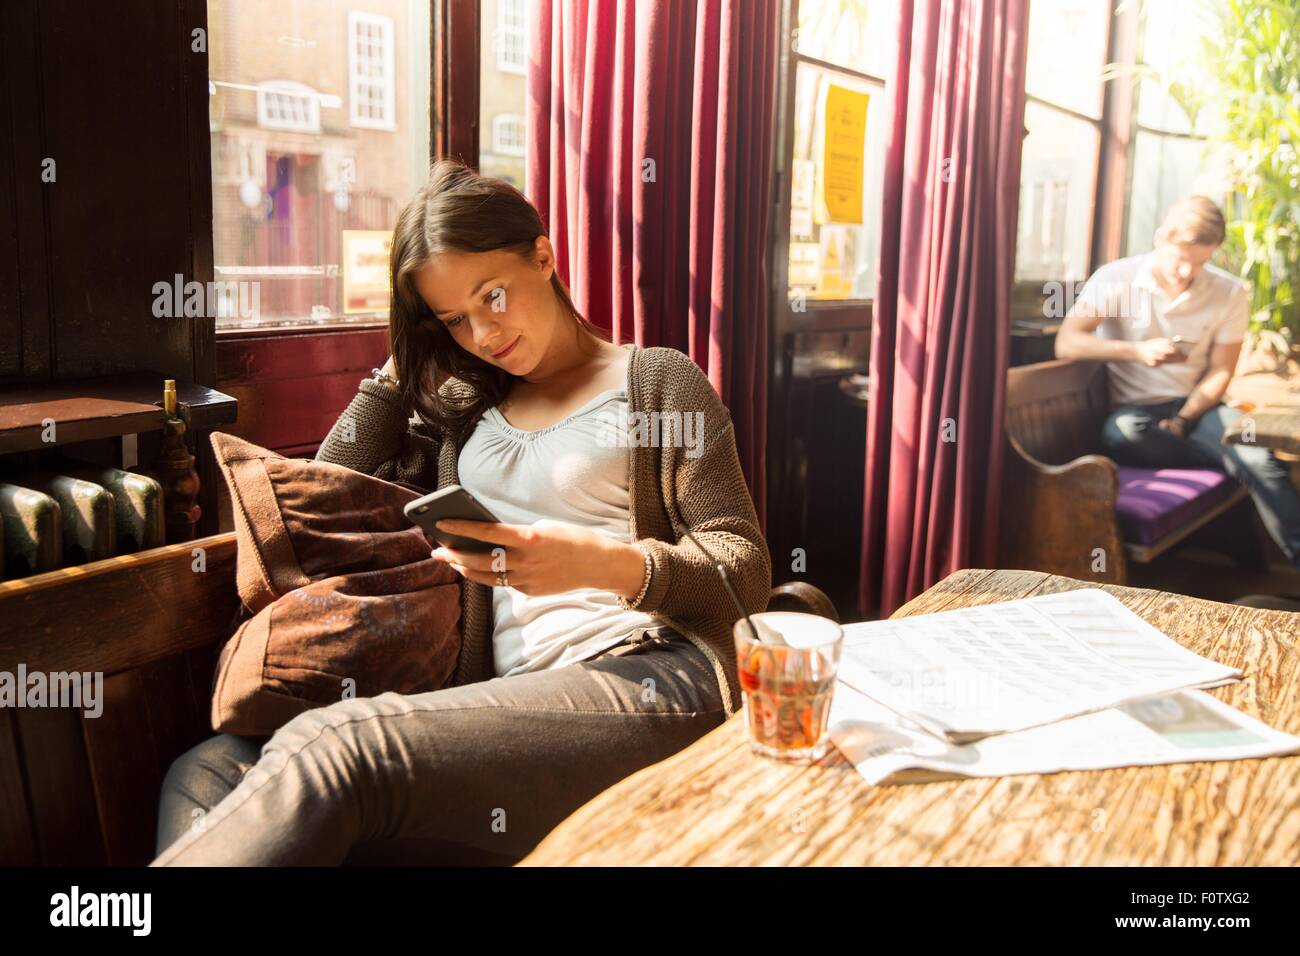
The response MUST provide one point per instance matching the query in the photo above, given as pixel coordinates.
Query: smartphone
(1185, 345)
(450, 502)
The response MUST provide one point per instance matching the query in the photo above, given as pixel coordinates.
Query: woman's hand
(546, 557)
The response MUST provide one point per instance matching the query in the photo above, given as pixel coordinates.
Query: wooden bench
(1059, 489)
(77, 790)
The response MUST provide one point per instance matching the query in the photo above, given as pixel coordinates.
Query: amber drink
(787, 680)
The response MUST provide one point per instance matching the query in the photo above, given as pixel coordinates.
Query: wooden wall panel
(117, 98)
(25, 342)
(119, 216)
(126, 778)
(17, 839)
(62, 792)
(84, 791)
(291, 388)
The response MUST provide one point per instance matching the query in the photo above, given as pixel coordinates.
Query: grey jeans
(476, 774)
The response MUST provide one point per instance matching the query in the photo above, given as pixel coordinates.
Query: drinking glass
(787, 689)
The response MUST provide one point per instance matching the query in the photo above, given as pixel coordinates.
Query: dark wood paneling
(17, 841)
(115, 122)
(126, 778)
(174, 709)
(292, 388)
(62, 793)
(116, 97)
(84, 791)
(11, 336)
(194, 85)
(93, 626)
(29, 299)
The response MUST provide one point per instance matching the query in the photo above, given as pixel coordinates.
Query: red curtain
(649, 157)
(942, 315)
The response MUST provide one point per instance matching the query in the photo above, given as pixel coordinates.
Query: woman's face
(496, 305)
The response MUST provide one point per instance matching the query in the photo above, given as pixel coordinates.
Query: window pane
(1164, 169)
(502, 144)
(1067, 51)
(858, 34)
(835, 231)
(1058, 174)
(1171, 45)
(320, 132)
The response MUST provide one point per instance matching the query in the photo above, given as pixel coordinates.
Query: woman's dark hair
(457, 210)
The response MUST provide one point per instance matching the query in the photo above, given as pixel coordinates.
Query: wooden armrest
(1055, 517)
(122, 612)
(802, 596)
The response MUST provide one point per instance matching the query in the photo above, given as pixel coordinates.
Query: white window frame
(271, 116)
(357, 82)
(499, 144)
(515, 27)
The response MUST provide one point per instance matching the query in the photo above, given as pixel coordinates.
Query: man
(1170, 327)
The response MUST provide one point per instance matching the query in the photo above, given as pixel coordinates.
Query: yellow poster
(365, 270)
(844, 153)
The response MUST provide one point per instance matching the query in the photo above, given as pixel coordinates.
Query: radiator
(76, 513)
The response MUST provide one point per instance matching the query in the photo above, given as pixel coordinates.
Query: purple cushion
(1154, 502)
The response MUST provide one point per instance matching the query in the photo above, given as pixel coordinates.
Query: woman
(594, 643)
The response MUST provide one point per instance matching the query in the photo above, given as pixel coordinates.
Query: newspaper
(967, 674)
(1181, 727)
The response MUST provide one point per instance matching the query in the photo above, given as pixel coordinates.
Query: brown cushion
(344, 598)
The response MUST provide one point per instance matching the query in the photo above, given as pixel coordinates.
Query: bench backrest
(1055, 410)
(78, 789)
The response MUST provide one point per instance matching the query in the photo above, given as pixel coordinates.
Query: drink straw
(726, 580)
(765, 645)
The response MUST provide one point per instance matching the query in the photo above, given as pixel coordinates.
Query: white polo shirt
(1214, 309)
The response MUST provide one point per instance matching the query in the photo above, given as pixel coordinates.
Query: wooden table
(717, 803)
(1279, 430)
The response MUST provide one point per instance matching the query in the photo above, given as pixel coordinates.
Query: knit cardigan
(673, 485)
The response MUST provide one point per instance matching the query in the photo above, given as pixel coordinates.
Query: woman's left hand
(546, 557)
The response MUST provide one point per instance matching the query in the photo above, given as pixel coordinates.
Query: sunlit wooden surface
(716, 803)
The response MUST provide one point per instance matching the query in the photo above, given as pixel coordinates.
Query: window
(508, 134)
(1058, 166)
(1171, 157)
(503, 147)
(510, 36)
(304, 197)
(837, 166)
(370, 70)
(1058, 179)
(286, 105)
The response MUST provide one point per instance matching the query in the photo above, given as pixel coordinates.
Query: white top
(1214, 309)
(573, 472)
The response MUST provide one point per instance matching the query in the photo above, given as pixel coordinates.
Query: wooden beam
(455, 93)
(1116, 147)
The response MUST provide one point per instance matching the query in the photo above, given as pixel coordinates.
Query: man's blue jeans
(1132, 436)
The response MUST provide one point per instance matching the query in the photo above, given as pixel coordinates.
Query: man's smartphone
(1183, 344)
(450, 502)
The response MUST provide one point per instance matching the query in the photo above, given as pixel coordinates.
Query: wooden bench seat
(1065, 505)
